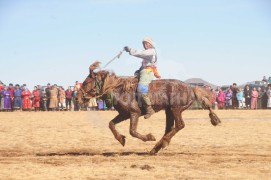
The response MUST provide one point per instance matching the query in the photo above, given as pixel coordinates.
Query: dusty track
(79, 145)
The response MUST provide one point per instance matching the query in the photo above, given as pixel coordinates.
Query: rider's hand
(126, 48)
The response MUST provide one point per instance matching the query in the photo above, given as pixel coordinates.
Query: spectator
(61, 98)
(47, 91)
(100, 104)
(68, 94)
(213, 98)
(269, 96)
(240, 97)
(264, 99)
(2, 98)
(269, 80)
(26, 98)
(92, 105)
(44, 101)
(228, 101)
(247, 96)
(1, 88)
(264, 79)
(36, 98)
(77, 85)
(7, 99)
(53, 98)
(221, 99)
(254, 98)
(17, 98)
(75, 102)
(39, 88)
(11, 89)
(260, 96)
(234, 98)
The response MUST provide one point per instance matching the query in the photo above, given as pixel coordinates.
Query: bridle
(98, 84)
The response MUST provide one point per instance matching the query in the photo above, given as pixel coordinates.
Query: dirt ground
(79, 145)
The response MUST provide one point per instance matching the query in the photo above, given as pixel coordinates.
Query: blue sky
(55, 41)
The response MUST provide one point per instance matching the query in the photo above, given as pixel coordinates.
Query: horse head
(88, 88)
(96, 83)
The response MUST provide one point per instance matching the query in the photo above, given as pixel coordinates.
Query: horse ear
(94, 66)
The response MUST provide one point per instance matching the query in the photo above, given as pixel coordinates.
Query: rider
(146, 72)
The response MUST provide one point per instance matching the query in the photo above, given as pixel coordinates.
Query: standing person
(61, 98)
(77, 85)
(92, 105)
(264, 79)
(221, 98)
(234, 98)
(260, 96)
(36, 99)
(247, 94)
(240, 96)
(68, 94)
(7, 99)
(75, 102)
(2, 98)
(26, 98)
(213, 98)
(269, 96)
(264, 99)
(44, 101)
(53, 98)
(47, 91)
(254, 98)
(228, 101)
(147, 72)
(17, 98)
(11, 89)
(39, 88)
(100, 104)
(1, 88)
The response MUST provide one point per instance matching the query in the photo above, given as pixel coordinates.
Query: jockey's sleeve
(145, 54)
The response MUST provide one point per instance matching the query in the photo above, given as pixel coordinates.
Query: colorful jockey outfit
(147, 72)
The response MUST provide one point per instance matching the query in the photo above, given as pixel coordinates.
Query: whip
(116, 57)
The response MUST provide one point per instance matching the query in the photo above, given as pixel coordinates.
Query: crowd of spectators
(56, 98)
(49, 98)
(238, 98)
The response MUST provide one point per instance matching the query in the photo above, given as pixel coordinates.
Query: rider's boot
(147, 104)
(149, 112)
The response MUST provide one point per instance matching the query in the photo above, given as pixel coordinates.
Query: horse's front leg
(133, 128)
(119, 118)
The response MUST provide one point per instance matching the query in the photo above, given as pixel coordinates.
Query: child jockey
(146, 72)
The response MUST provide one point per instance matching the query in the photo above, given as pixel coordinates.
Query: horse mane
(112, 81)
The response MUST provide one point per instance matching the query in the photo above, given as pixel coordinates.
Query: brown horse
(171, 95)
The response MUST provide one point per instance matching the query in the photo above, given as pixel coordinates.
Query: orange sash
(154, 70)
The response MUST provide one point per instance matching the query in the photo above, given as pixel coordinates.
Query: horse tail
(204, 97)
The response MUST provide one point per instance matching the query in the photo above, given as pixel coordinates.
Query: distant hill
(199, 82)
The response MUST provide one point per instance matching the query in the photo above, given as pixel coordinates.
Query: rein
(98, 88)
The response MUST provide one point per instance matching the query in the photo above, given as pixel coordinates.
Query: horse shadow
(105, 154)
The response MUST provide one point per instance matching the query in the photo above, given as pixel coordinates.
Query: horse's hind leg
(119, 118)
(169, 127)
(169, 121)
(133, 129)
(179, 124)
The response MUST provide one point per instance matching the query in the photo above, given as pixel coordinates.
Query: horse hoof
(151, 137)
(165, 144)
(121, 139)
(153, 152)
